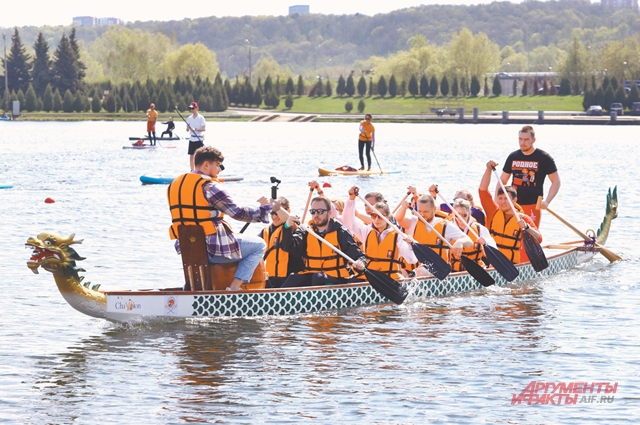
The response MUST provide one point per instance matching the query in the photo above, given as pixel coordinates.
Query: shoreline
(253, 115)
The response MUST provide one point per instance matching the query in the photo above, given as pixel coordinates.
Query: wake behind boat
(54, 254)
(349, 171)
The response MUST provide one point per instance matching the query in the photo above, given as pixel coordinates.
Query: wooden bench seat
(200, 275)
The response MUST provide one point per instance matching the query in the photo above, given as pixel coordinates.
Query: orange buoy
(49, 201)
(326, 184)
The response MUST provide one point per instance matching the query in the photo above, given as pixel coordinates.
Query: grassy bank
(335, 105)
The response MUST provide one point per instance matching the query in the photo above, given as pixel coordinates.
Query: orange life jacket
(423, 236)
(321, 258)
(475, 253)
(189, 206)
(507, 235)
(276, 259)
(383, 255)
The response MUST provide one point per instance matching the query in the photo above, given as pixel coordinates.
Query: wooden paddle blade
(386, 286)
(535, 252)
(431, 260)
(501, 263)
(478, 273)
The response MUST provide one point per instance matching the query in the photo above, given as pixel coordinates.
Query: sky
(41, 12)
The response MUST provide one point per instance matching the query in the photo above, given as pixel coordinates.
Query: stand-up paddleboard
(327, 172)
(149, 147)
(166, 180)
(157, 138)
(5, 185)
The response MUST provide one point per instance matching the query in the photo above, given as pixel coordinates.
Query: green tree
(300, 88)
(57, 101)
(472, 54)
(78, 102)
(30, 99)
(67, 104)
(413, 86)
(272, 100)
(348, 106)
(64, 68)
(515, 87)
(605, 83)
(475, 86)
(247, 95)
(268, 84)
(565, 87)
(18, 64)
(525, 87)
(371, 92)
(96, 104)
(587, 100)
(620, 96)
(609, 97)
(454, 87)
(289, 88)
(361, 106)
(163, 101)
(497, 87)
(486, 86)
(47, 99)
(574, 66)
(382, 86)
(393, 86)
(634, 95)
(77, 63)
(288, 102)
(192, 60)
(341, 87)
(257, 96)
(41, 65)
(536, 86)
(598, 98)
(433, 86)
(350, 88)
(444, 86)
(362, 86)
(319, 91)
(424, 86)
(614, 84)
(328, 89)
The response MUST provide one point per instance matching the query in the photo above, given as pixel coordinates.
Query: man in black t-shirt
(530, 167)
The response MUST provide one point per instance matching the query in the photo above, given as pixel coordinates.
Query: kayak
(157, 138)
(149, 147)
(166, 180)
(6, 185)
(327, 172)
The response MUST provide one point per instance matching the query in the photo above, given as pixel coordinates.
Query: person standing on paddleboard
(195, 126)
(152, 117)
(366, 140)
(529, 167)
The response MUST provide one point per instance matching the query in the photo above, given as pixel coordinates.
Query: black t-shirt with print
(529, 173)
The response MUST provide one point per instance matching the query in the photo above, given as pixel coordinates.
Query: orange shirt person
(152, 117)
(366, 140)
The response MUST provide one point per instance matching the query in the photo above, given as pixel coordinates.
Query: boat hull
(144, 305)
(166, 180)
(327, 172)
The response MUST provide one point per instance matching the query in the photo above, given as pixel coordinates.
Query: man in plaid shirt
(224, 246)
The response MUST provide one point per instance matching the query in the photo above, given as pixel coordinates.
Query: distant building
(90, 21)
(109, 21)
(84, 21)
(301, 9)
(621, 4)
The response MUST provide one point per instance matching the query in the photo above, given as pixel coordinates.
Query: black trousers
(362, 145)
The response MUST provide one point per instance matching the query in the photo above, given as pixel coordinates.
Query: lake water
(458, 359)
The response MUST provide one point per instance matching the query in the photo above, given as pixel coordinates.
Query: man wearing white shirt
(196, 125)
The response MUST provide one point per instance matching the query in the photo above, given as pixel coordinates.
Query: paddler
(506, 228)
(198, 193)
(480, 234)
(386, 251)
(366, 140)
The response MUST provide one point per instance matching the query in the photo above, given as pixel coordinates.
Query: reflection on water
(437, 360)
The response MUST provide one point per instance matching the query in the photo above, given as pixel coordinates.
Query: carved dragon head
(54, 254)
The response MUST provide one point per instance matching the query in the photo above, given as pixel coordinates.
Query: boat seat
(200, 275)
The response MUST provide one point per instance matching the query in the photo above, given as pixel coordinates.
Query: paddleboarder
(366, 140)
(529, 167)
(170, 127)
(152, 117)
(503, 226)
(195, 126)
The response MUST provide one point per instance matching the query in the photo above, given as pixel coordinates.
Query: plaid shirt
(223, 243)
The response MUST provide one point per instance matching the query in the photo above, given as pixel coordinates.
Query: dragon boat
(55, 254)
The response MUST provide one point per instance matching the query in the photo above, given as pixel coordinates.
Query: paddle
(306, 207)
(185, 121)
(531, 245)
(428, 257)
(379, 281)
(374, 155)
(400, 203)
(608, 254)
(496, 258)
(471, 266)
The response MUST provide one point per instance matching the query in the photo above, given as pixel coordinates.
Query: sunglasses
(374, 216)
(318, 212)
